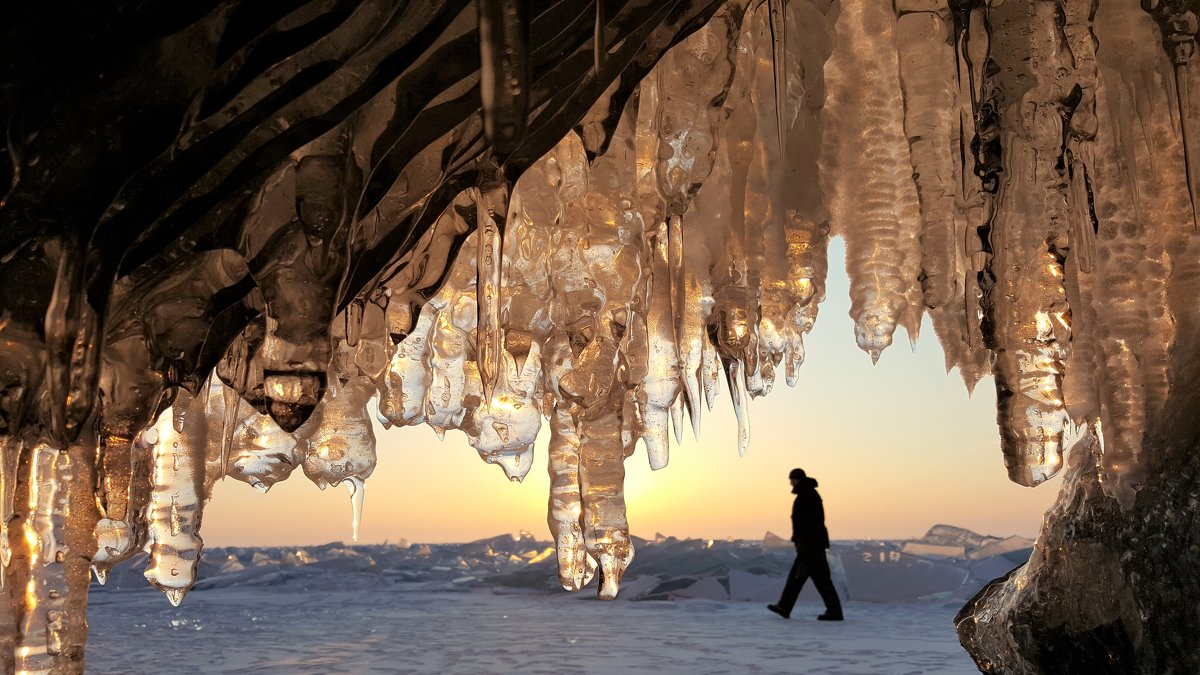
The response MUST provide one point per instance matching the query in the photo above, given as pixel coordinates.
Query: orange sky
(897, 447)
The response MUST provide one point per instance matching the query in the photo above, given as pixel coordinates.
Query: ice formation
(244, 231)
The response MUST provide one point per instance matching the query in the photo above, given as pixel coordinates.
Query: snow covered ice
(422, 608)
(232, 236)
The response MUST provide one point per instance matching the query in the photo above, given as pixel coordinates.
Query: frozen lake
(414, 628)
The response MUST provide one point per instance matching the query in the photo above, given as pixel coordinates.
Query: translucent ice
(177, 443)
(867, 176)
(483, 213)
(1026, 315)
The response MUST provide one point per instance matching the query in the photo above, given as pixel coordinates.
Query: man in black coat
(811, 539)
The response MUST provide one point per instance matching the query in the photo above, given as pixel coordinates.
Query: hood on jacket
(805, 483)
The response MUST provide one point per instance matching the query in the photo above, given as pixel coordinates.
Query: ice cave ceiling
(232, 232)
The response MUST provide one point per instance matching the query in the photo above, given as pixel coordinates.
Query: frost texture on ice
(487, 216)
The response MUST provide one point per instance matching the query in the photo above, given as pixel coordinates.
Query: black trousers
(810, 563)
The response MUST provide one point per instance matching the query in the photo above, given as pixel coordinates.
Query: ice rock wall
(482, 215)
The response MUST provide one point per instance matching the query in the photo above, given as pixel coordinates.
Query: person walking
(811, 540)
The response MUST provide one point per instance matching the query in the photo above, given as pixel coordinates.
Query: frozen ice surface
(405, 630)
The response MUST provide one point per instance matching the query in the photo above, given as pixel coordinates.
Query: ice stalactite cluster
(479, 216)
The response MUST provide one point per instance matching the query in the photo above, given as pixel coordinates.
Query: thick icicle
(1179, 24)
(503, 429)
(262, 453)
(734, 330)
(679, 114)
(867, 175)
(601, 479)
(53, 565)
(800, 201)
(178, 442)
(970, 354)
(763, 206)
(929, 78)
(338, 441)
(45, 533)
(408, 376)
(1143, 206)
(565, 514)
(452, 372)
(131, 395)
(10, 459)
(1027, 84)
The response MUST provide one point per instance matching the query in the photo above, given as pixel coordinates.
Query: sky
(896, 447)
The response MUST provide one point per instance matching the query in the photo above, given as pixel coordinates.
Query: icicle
(492, 208)
(677, 419)
(764, 220)
(738, 265)
(10, 456)
(45, 525)
(679, 115)
(358, 492)
(1142, 203)
(338, 440)
(1179, 24)
(598, 48)
(932, 122)
(374, 348)
(968, 352)
(47, 575)
(693, 299)
(868, 184)
(694, 302)
(176, 497)
(736, 379)
(352, 321)
(1027, 318)
(408, 376)
(660, 386)
(779, 58)
(799, 200)
(262, 454)
(72, 348)
(601, 479)
(504, 80)
(565, 515)
(1080, 384)
(927, 66)
(449, 363)
(710, 373)
(503, 430)
(131, 391)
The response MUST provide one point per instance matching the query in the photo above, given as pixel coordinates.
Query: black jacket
(808, 517)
